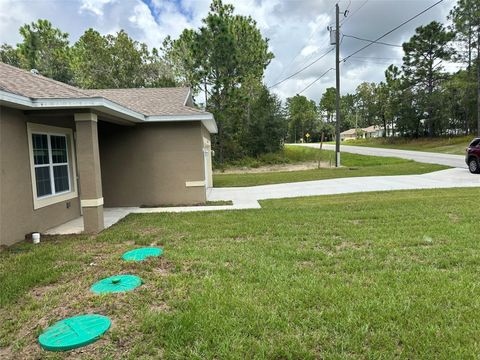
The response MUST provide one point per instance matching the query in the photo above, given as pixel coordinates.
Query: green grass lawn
(453, 145)
(383, 275)
(353, 165)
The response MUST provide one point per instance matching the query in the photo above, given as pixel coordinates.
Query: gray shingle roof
(148, 101)
(349, 132)
(25, 83)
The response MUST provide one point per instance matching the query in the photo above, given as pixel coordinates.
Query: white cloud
(13, 14)
(94, 6)
(144, 20)
(309, 49)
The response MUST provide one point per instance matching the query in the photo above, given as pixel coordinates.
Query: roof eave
(207, 120)
(96, 103)
(100, 104)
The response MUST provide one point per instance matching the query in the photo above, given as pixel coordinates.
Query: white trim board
(195, 183)
(91, 202)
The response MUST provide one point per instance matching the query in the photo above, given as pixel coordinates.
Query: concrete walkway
(457, 161)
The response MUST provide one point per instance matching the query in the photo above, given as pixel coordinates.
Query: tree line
(418, 98)
(95, 61)
(224, 62)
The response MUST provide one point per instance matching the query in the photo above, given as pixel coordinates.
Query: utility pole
(478, 82)
(337, 69)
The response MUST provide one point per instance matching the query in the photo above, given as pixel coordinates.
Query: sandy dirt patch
(275, 168)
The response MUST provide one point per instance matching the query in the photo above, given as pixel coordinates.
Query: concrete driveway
(420, 156)
(247, 197)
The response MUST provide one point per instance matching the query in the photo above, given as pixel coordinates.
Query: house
(67, 152)
(349, 134)
(373, 131)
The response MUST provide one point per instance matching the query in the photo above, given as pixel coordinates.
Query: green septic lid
(74, 332)
(142, 254)
(117, 283)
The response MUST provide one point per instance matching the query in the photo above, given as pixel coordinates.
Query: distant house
(373, 131)
(67, 152)
(350, 134)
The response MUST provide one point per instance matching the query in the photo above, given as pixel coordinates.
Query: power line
(377, 57)
(371, 41)
(394, 29)
(348, 7)
(312, 33)
(314, 81)
(372, 62)
(302, 69)
(353, 13)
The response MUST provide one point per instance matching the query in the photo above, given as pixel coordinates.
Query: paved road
(420, 156)
(246, 197)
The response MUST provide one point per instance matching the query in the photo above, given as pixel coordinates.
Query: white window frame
(54, 197)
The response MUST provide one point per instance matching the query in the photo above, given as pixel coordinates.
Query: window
(53, 171)
(50, 157)
(474, 143)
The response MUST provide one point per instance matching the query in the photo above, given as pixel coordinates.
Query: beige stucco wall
(150, 164)
(17, 216)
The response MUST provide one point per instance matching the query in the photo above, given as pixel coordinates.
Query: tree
(156, 71)
(466, 22)
(225, 54)
(126, 59)
(117, 61)
(393, 83)
(267, 127)
(366, 104)
(45, 49)
(9, 55)
(381, 99)
(460, 102)
(328, 102)
(348, 109)
(91, 61)
(302, 118)
(424, 54)
(186, 58)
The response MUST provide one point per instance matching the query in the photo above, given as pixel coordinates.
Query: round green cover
(142, 254)
(117, 283)
(74, 332)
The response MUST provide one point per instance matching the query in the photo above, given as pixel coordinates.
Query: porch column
(88, 160)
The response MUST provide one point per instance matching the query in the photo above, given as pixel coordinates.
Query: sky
(296, 29)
